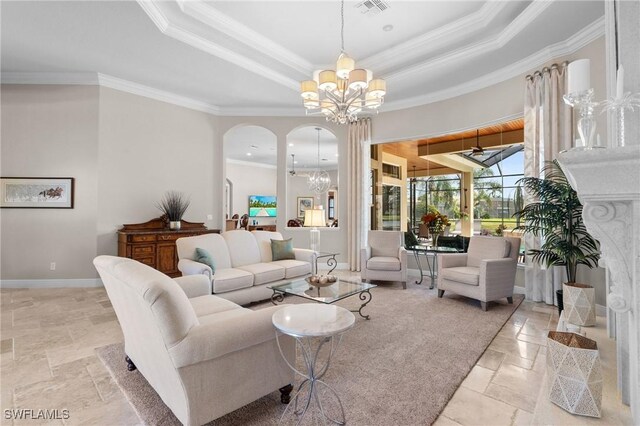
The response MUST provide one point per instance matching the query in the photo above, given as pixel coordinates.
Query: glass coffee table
(339, 290)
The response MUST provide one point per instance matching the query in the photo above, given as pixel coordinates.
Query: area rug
(400, 367)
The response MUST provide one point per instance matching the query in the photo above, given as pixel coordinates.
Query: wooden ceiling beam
(466, 144)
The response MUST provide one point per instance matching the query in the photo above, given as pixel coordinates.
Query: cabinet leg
(130, 365)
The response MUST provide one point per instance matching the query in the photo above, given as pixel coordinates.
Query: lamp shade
(328, 80)
(314, 217)
(309, 89)
(344, 65)
(358, 79)
(378, 87)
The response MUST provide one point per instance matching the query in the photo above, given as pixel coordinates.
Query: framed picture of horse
(36, 192)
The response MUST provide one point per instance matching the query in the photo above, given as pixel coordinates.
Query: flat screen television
(262, 206)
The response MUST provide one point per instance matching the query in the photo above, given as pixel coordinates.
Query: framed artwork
(304, 203)
(36, 193)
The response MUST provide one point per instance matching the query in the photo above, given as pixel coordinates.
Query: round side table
(309, 322)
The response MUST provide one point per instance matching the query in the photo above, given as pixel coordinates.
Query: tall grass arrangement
(173, 205)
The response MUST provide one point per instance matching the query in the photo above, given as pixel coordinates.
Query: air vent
(372, 7)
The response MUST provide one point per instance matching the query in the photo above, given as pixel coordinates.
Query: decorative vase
(579, 302)
(436, 235)
(174, 225)
(559, 299)
(574, 373)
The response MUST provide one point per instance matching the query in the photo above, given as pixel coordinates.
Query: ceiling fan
(477, 151)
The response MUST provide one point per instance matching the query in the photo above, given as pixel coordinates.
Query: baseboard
(519, 290)
(54, 283)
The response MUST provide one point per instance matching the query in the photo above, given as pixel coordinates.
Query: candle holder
(583, 103)
(618, 105)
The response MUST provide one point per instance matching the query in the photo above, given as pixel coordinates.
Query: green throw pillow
(204, 256)
(282, 249)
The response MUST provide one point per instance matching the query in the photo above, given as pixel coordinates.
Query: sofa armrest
(452, 260)
(304, 255)
(365, 255)
(194, 285)
(500, 273)
(209, 341)
(191, 267)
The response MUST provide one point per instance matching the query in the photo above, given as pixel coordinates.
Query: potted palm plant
(556, 217)
(173, 205)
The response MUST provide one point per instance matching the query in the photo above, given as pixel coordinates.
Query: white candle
(620, 83)
(579, 76)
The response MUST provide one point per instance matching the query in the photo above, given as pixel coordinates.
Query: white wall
(256, 179)
(50, 131)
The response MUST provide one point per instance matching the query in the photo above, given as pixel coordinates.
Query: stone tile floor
(48, 337)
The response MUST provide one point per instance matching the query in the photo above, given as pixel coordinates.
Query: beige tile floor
(48, 337)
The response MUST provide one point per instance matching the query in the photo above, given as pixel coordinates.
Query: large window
(494, 189)
(391, 207)
(439, 192)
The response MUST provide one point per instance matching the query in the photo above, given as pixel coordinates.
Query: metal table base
(433, 266)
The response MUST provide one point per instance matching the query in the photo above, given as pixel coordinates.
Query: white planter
(579, 304)
(574, 373)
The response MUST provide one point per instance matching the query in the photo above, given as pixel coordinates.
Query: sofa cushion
(213, 243)
(243, 248)
(231, 279)
(264, 272)
(207, 305)
(462, 274)
(282, 249)
(294, 268)
(383, 263)
(487, 248)
(385, 243)
(263, 238)
(220, 316)
(203, 256)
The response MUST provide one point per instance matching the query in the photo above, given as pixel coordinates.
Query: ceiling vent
(372, 7)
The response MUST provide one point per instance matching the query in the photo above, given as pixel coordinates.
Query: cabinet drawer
(150, 261)
(142, 238)
(143, 251)
(173, 237)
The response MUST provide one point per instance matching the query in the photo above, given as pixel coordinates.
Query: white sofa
(204, 356)
(244, 265)
(486, 272)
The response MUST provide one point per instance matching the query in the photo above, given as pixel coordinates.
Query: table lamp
(314, 218)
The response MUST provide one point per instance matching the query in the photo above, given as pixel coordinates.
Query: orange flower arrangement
(436, 222)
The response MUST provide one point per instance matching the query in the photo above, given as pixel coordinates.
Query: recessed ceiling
(247, 57)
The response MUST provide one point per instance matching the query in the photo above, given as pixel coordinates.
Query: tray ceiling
(247, 57)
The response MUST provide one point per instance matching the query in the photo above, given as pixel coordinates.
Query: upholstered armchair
(205, 356)
(486, 272)
(384, 258)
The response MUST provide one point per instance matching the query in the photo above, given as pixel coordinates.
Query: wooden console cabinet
(271, 228)
(154, 244)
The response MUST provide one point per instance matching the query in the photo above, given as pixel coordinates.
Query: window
(439, 192)
(390, 170)
(494, 189)
(391, 207)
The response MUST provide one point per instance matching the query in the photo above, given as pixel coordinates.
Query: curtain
(547, 131)
(359, 142)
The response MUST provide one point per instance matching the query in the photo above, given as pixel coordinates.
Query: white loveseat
(244, 264)
(204, 356)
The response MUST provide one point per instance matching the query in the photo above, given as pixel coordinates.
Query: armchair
(486, 272)
(205, 356)
(385, 257)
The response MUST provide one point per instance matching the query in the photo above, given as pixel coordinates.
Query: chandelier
(341, 94)
(319, 180)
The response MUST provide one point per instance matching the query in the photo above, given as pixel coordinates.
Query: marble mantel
(608, 184)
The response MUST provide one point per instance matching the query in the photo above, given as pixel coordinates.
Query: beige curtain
(547, 131)
(359, 142)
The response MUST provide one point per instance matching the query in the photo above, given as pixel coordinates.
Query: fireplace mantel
(608, 185)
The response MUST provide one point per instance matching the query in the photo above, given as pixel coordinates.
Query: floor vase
(574, 373)
(579, 304)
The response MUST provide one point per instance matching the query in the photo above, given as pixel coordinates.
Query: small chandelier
(341, 94)
(319, 180)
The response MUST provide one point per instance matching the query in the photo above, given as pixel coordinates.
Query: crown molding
(157, 94)
(587, 35)
(251, 164)
(172, 30)
(68, 78)
(209, 15)
(418, 46)
(477, 49)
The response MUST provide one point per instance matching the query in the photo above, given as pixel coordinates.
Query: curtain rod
(546, 70)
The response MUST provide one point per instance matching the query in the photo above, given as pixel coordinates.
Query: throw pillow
(203, 256)
(282, 249)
